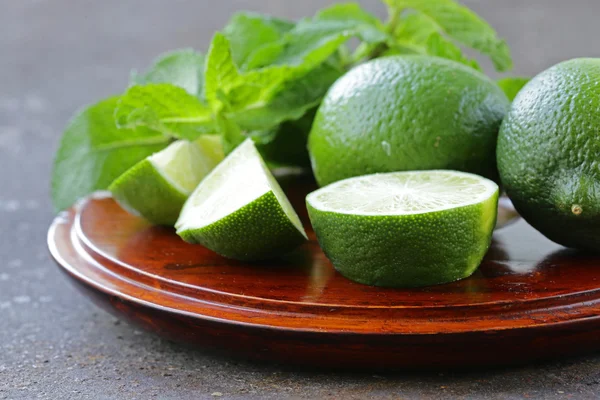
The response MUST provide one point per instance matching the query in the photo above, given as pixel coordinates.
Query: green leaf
(439, 46)
(253, 36)
(462, 25)
(257, 88)
(351, 16)
(262, 98)
(512, 86)
(314, 39)
(291, 100)
(309, 44)
(221, 72)
(183, 68)
(165, 108)
(414, 29)
(228, 89)
(93, 153)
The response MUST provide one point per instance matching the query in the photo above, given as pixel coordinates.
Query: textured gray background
(56, 56)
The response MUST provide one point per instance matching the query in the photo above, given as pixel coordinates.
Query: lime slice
(405, 229)
(157, 187)
(239, 210)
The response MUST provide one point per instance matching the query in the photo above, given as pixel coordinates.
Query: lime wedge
(157, 187)
(405, 229)
(240, 211)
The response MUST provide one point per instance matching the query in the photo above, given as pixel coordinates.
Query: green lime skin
(257, 231)
(548, 150)
(410, 250)
(405, 113)
(143, 191)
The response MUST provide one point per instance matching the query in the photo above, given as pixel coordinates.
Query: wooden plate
(530, 299)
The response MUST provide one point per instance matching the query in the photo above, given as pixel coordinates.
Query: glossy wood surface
(530, 299)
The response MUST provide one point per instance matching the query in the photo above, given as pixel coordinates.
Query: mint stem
(390, 27)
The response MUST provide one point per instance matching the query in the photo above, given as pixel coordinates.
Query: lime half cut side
(157, 187)
(240, 211)
(406, 229)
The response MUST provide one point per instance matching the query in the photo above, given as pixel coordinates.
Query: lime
(157, 187)
(405, 113)
(240, 211)
(548, 151)
(405, 229)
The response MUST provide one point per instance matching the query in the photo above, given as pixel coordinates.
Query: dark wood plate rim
(590, 297)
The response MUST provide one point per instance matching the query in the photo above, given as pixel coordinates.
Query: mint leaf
(252, 36)
(512, 86)
(165, 108)
(261, 99)
(306, 44)
(229, 90)
(314, 39)
(221, 72)
(256, 99)
(414, 29)
(291, 100)
(183, 68)
(351, 16)
(309, 44)
(93, 153)
(439, 46)
(460, 24)
(350, 11)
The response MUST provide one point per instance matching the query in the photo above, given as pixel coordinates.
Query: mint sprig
(259, 75)
(458, 23)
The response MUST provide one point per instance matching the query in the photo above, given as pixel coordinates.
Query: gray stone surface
(56, 56)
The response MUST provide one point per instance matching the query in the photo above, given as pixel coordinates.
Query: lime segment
(157, 187)
(240, 211)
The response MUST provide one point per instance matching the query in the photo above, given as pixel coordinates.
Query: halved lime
(157, 187)
(240, 211)
(405, 229)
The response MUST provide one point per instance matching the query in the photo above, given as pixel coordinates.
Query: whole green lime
(407, 113)
(548, 153)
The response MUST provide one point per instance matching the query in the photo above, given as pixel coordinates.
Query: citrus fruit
(240, 211)
(405, 229)
(548, 151)
(157, 187)
(407, 113)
